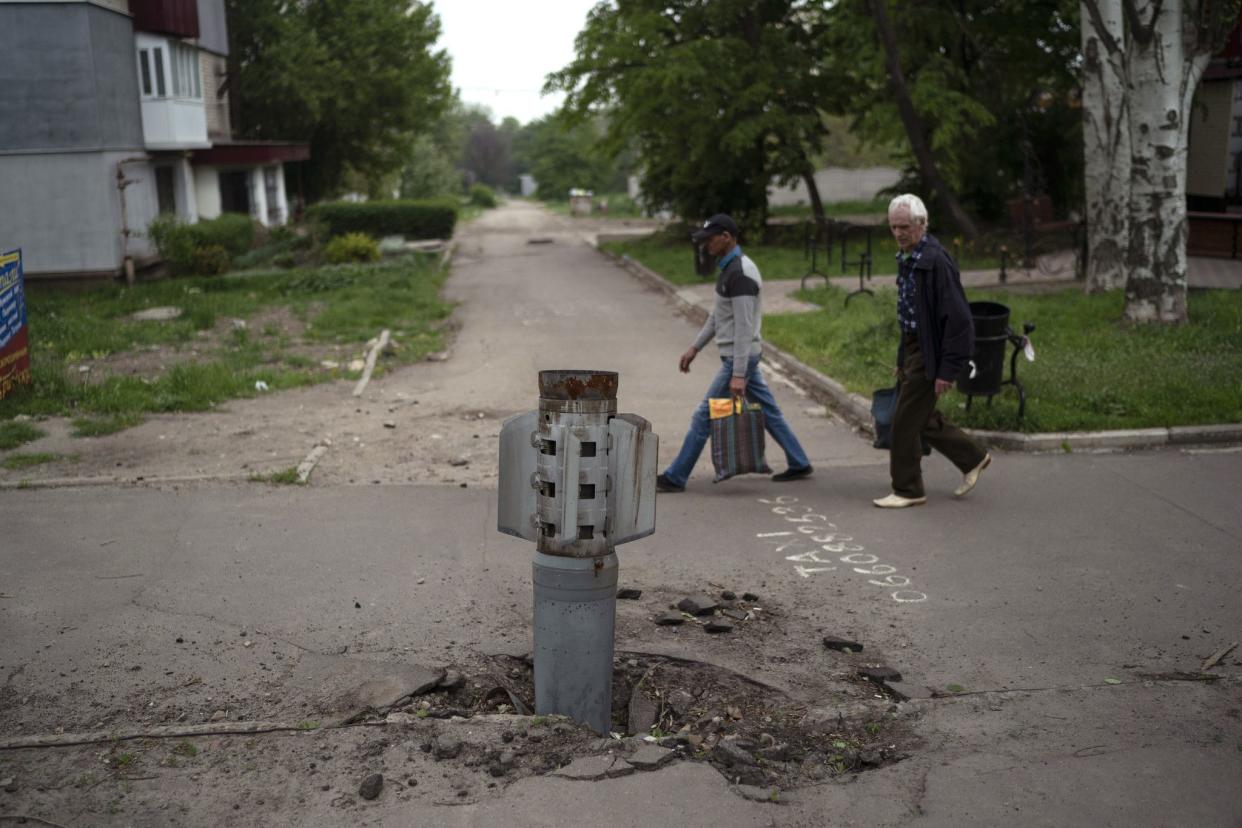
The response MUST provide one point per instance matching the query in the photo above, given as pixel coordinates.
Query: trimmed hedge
(412, 219)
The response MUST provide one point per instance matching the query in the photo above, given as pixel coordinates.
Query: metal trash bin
(991, 335)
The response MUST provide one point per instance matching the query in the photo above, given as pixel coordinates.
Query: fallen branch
(308, 465)
(1216, 657)
(380, 344)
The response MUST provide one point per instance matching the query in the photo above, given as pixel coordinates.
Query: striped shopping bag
(737, 438)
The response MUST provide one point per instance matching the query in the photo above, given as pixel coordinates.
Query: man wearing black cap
(735, 324)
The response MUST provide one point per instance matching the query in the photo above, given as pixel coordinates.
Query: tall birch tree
(1164, 47)
(1106, 143)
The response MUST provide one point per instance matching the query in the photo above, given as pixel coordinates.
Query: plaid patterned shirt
(907, 313)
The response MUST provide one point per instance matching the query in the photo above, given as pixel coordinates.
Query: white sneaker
(972, 477)
(896, 501)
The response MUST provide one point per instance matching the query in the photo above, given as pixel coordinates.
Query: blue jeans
(700, 423)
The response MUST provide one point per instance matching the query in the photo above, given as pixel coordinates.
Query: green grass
(1091, 370)
(346, 304)
(18, 462)
(13, 434)
(672, 257)
(284, 477)
(103, 426)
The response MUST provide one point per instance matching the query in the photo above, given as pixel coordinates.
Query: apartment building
(111, 113)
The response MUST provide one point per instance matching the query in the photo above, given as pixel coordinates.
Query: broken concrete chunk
(446, 746)
(730, 753)
(371, 786)
(697, 604)
(670, 619)
(650, 757)
(643, 713)
(452, 680)
(749, 596)
(842, 645)
(629, 594)
(681, 701)
(880, 673)
(400, 682)
(594, 768)
(718, 625)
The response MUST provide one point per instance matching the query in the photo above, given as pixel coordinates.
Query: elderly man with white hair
(937, 340)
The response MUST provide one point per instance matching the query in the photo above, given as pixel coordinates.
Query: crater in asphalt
(754, 733)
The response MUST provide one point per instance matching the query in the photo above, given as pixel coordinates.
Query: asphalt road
(1050, 610)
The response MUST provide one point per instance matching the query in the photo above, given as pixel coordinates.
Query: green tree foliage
(994, 84)
(358, 79)
(429, 171)
(563, 152)
(717, 96)
(485, 153)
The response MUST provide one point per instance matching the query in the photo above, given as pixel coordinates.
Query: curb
(856, 409)
(136, 482)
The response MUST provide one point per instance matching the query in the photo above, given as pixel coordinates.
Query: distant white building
(528, 184)
(836, 184)
(111, 113)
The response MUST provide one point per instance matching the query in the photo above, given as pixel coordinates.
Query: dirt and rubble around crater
(769, 729)
(459, 733)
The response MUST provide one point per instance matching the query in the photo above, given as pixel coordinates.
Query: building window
(187, 80)
(144, 63)
(151, 69)
(180, 75)
(165, 190)
(157, 57)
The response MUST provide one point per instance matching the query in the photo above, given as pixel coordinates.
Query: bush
(174, 242)
(210, 260)
(481, 195)
(412, 219)
(232, 231)
(351, 247)
(197, 248)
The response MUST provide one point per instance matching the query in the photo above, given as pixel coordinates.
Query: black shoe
(663, 484)
(792, 474)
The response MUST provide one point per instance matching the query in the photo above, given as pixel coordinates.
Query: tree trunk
(817, 205)
(1163, 77)
(914, 125)
(1106, 143)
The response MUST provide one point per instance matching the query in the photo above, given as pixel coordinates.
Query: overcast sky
(503, 49)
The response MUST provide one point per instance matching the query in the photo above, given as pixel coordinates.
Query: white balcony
(170, 83)
(173, 123)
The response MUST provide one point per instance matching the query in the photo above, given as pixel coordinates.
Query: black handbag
(883, 407)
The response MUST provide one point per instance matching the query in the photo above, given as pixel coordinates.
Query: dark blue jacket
(946, 330)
